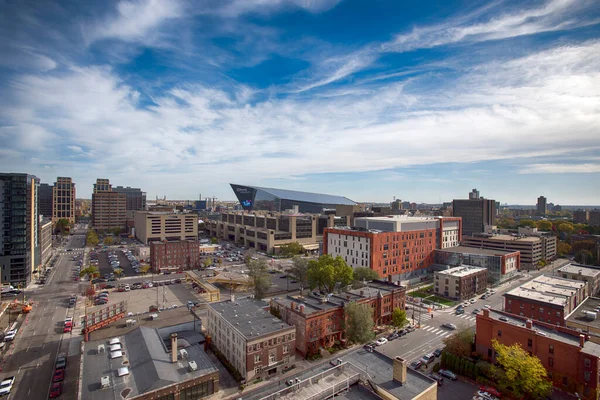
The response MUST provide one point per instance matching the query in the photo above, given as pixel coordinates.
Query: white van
(127, 288)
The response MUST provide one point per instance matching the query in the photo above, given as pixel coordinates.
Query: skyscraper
(136, 199)
(63, 200)
(541, 205)
(20, 253)
(476, 213)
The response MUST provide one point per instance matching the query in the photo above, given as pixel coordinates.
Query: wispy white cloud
(560, 169)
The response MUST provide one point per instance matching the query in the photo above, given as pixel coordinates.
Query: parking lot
(104, 264)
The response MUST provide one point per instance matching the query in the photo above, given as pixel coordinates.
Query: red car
(68, 327)
(490, 390)
(55, 390)
(59, 375)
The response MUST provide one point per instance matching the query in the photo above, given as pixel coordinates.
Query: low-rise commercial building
(174, 256)
(396, 247)
(546, 298)
(501, 264)
(571, 360)
(461, 283)
(208, 248)
(319, 320)
(585, 319)
(153, 226)
(255, 343)
(580, 272)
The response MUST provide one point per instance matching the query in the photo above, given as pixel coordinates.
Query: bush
(436, 367)
(313, 357)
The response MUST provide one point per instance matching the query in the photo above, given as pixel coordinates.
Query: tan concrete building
(158, 226)
(461, 282)
(45, 241)
(109, 209)
(580, 272)
(63, 200)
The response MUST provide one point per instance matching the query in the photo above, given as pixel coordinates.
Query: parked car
(68, 328)
(437, 352)
(448, 374)
(10, 335)
(438, 378)
(491, 390)
(427, 358)
(485, 395)
(393, 336)
(61, 361)
(449, 326)
(460, 311)
(6, 385)
(55, 390)
(416, 364)
(381, 341)
(476, 311)
(59, 375)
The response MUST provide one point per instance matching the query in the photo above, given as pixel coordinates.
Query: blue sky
(421, 100)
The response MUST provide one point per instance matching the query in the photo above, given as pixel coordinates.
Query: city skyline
(368, 101)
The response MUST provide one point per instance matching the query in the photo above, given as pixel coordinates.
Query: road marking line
(27, 349)
(436, 331)
(19, 371)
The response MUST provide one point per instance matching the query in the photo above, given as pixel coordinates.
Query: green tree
(108, 241)
(118, 272)
(527, 223)
(523, 375)
(92, 239)
(325, 272)
(291, 249)
(91, 272)
(460, 343)
(563, 248)
(144, 268)
(299, 269)
(565, 227)
(543, 225)
(584, 257)
(214, 240)
(399, 317)
(261, 279)
(62, 226)
(365, 274)
(359, 322)
(207, 262)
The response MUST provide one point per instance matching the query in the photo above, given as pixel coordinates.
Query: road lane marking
(27, 349)
(19, 371)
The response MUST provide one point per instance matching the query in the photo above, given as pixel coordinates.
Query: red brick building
(394, 246)
(546, 298)
(319, 321)
(571, 360)
(175, 255)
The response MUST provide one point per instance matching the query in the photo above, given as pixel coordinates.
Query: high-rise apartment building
(19, 234)
(476, 213)
(109, 209)
(581, 216)
(136, 199)
(594, 217)
(542, 207)
(63, 200)
(45, 200)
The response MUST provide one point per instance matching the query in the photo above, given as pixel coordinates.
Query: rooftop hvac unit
(105, 382)
(101, 349)
(590, 315)
(192, 366)
(183, 354)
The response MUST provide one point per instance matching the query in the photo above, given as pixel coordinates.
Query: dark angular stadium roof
(308, 197)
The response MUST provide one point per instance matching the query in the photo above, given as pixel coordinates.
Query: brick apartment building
(571, 360)
(460, 283)
(108, 208)
(256, 344)
(546, 298)
(396, 247)
(319, 320)
(174, 256)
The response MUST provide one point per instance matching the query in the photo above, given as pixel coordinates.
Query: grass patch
(441, 300)
(419, 294)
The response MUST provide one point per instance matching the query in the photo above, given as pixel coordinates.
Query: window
(272, 357)
(587, 363)
(197, 392)
(529, 342)
(286, 348)
(551, 349)
(256, 370)
(256, 358)
(565, 381)
(586, 376)
(551, 362)
(499, 333)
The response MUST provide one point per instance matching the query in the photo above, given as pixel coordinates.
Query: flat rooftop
(506, 238)
(577, 316)
(463, 270)
(475, 250)
(580, 269)
(547, 289)
(148, 361)
(249, 317)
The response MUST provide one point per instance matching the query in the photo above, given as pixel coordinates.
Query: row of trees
(92, 239)
(359, 321)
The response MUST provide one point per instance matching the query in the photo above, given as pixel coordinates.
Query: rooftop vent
(192, 366)
(105, 382)
(101, 349)
(123, 371)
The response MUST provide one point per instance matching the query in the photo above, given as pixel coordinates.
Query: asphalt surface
(31, 356)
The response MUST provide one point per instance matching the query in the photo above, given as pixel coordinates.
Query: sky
(417, 100)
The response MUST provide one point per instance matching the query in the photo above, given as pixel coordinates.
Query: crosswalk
(468, 317)
(436, 330)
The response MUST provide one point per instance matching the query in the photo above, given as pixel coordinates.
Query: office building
(135, 198)
(20, 253)
(581, 216)
(580, 272)
(148, 364)
(45, 200)
(476, 213)
(396, 247)
(153, 226)
(109, 209)
(546, 298)
(63, 200)
(460, 283)
(45, 227)
(533, 249)
(174, 256)
(319, 320)
(268, 199)
(501, 265)
(571, 360)
(541, 207)
(255, 343)
(594, 218)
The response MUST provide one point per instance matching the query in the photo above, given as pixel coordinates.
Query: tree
(299, 269)
(563, 248)
(207, 262)
(62, 226)
(291, 249)
(325, 272)
(565, 227)
(399, 317)
(261, 279)
(527, 223)
(521, 374)
(365, 274)
(460, 343)
(91, 272)
(588, 245)
(584, 257)
(92, 239)
(359, 322)
(214, 240)
(118, 272)
(108, 241)
(145, 268)
(544, 225)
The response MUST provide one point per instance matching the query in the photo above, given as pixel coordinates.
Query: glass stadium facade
(259, 198)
